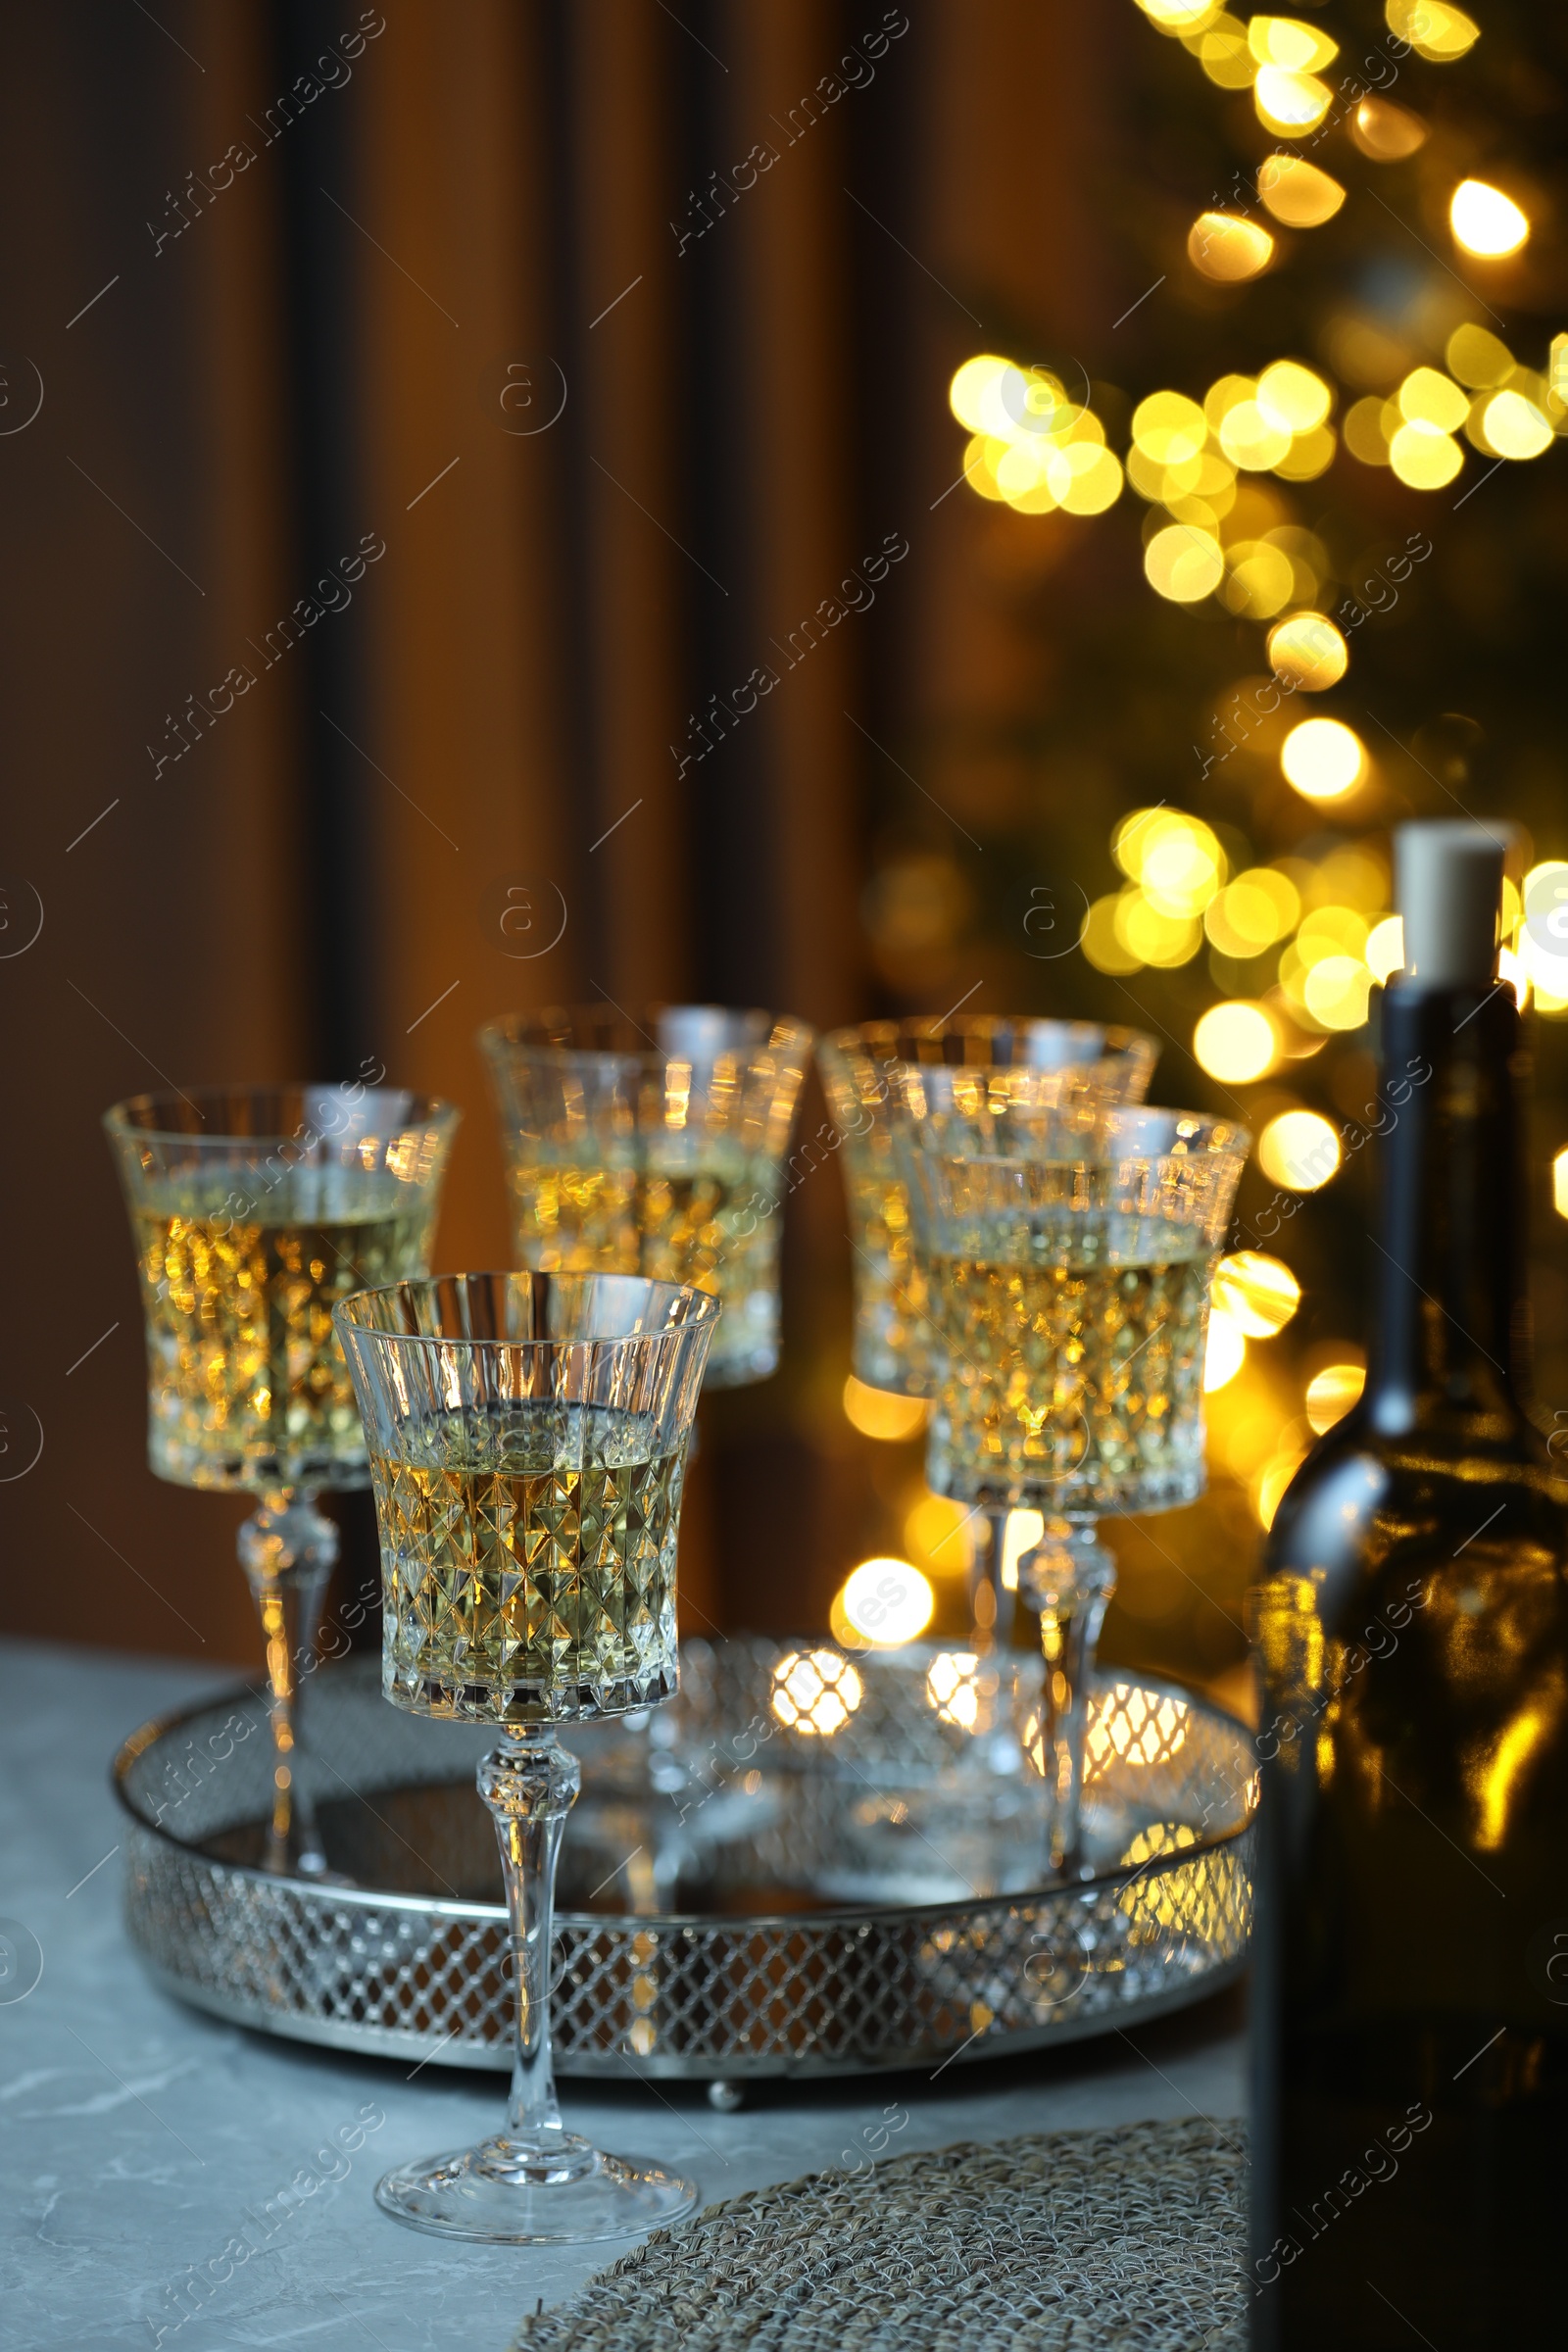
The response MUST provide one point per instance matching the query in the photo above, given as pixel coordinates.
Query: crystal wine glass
(1071, 1258)
(527, 1436)
(878, 1074)
(254, 1209)
(656, 1150)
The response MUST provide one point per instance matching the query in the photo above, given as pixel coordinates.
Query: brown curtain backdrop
(515, 294)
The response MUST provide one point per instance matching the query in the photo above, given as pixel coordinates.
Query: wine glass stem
(991, 1604)
(531, 1784)
(1069, 1578)
(287, 1550)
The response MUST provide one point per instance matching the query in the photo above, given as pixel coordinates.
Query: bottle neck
(1451, 1330)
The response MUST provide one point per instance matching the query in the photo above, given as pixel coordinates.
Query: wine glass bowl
(254, 1210)
(880, 1076)
(1069, 1257)
(1069, 1264)
(655, 1151)
(527, 1436)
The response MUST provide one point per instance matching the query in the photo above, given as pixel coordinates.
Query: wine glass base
(503, 2194)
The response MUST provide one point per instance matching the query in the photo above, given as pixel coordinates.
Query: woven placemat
(1062, 2242)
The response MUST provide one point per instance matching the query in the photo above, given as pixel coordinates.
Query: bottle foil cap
(1449, 886)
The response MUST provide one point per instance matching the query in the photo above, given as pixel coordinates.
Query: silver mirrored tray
(804, 1865)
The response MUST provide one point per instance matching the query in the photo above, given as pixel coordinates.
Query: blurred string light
(1484, 221)
(1290, 103)
(1236, 1042)
(879, 1413)
(1436, 31)
(1032, 447)
(1513, 427)
(1299, 1150)
(1504, 410)
(1308, 649)
(1229, 249)
(1331, 1393)
(1261, 907)
(1323, 759)
(1224, 1352)
(1297, 192)
(1325, 924)
(883, 1604)
(1387, 133)
(1257, 1292)
(1546, 888)
(1384, 949)
(1559, 1183)
(1254, 1297)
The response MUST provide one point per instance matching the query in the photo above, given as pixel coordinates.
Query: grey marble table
(139, 2138)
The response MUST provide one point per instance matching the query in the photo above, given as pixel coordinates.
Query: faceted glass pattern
(527, 1436)
(1070, 1267)
(656, 1150)
(254, 1209)
(890, 1072)
(513, 1591)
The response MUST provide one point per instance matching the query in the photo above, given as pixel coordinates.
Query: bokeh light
(1258, 1293)
(1228, 249)
(1514, 426)
(1268, 1491)
(1184, 564)
(879, 1413)
(1175, 858)
(1387, 133)
(1296, 397)
(1559, 1182)
(885, 1602)
(1253, 436)
(1178, 17)
(1429, 397)
(1299, 1150)
(1364, 436)
(936, 1534)
(1290, 103)
(1331, 1393)
(1337, 990)
(1423, 457)
(1484, 221)
(1224, 1352)
(1384, 949)
(1152, 934)
(1235, 1042)
(1221, 50)
(1478, 359)
(1286, 41)
(1297, 192)
(1435, 30)
(1323, 759)
(1308, 648)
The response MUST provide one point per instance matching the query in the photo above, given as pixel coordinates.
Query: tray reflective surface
(804, 1864)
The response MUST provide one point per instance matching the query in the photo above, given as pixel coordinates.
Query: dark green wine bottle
(1410, 1985)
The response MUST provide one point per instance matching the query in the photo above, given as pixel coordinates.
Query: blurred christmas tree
(1339, 454)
